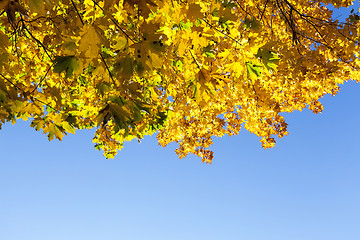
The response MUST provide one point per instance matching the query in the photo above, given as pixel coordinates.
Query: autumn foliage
(189, 70)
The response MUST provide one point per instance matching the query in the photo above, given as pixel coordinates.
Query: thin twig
(116, 24)
(290, 24)
(198, 65)
(37, 40)
(8, 80)
(77, 12)
(42, 79)
(107, 68)
(30, 97)
(226, 35)
(262, 14)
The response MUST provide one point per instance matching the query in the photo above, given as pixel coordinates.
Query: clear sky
(306, 188)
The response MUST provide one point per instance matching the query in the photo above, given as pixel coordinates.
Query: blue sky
(306, 188)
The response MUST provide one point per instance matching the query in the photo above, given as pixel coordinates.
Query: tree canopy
(189, 70)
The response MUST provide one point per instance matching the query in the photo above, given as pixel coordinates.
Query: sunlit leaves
(190, 70)
(4, 40)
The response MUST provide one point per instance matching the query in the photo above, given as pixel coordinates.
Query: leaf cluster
(188, 70)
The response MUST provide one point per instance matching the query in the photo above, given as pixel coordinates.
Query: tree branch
(77, 12)
(36, 40)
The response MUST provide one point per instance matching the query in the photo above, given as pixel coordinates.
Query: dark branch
(77, 12)
(36, 40)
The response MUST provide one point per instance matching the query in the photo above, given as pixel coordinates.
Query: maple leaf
(188, 70)
(268, 58)
(38, 6)
(92, 38)
(65, 64)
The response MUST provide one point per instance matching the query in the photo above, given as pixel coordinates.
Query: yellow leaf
(91, 40)
(37, 6)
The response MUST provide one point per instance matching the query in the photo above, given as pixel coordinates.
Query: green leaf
(253, 24)
(120, 115)
(124, 67)
(228, 4)
(2, 96)
(253, 70)
(65, 64)
(68, 128)
(209, 51)
(103, 87)
(269, 59)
